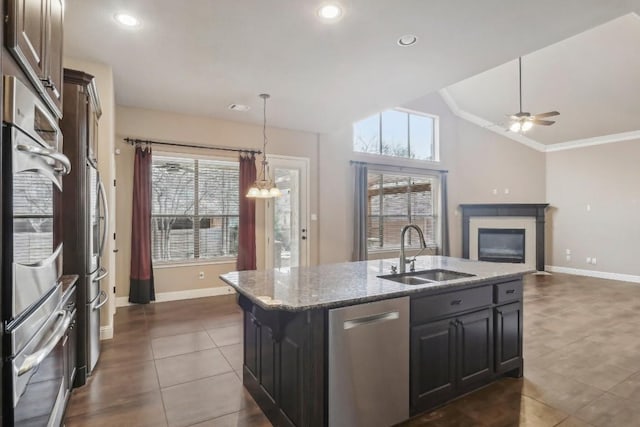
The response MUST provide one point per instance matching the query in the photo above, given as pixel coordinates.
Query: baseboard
(106, 332)
(591, 273)
(180, 295)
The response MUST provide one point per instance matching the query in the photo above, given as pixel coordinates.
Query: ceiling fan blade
(547, 114)
(542, 122)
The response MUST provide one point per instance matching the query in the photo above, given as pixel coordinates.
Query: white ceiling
(592, 79)
(198, 56)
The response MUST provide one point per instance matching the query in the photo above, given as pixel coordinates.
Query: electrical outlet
(588, 260)
(568, 251)
(588, 208)
(593, 260)
(506, 191)
(568, 257)
(201, 275)
(495, 191)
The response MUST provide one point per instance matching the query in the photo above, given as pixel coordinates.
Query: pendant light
(264, 187)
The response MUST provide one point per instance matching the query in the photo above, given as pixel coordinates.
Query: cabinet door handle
(456, 302)
(510, 291)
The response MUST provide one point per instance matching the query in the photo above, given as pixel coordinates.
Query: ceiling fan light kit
(523, 121)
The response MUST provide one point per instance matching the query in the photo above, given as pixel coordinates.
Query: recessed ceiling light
(126, 20)
(330, 11)
(407, 40)
(239, 107)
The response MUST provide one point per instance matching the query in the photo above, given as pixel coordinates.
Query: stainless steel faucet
(423, 244)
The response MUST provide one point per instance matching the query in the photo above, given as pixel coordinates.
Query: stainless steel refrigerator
(85, 222)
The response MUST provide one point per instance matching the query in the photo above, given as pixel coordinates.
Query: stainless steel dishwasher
(369, 364)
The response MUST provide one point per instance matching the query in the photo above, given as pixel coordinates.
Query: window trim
(379, 155)
(225, 259)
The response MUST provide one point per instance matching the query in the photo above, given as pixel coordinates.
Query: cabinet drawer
(429, 307)
(509, 291)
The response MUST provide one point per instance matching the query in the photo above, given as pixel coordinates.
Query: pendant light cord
(264, 97)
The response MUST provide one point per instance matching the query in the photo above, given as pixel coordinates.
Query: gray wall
(606, 177)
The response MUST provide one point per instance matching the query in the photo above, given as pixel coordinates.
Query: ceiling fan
(523, 121)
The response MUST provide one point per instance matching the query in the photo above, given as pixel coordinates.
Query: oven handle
(100, 304)
(103, 196)
(35, 358)
(44, 152)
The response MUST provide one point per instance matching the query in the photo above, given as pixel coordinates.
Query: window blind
(194, 209)
(394, 201)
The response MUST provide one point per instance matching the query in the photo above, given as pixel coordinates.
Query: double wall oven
(35, 312)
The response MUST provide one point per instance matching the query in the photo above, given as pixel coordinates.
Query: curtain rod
(398, 168)
(134, 141)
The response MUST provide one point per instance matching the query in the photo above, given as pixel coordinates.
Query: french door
(286, 222)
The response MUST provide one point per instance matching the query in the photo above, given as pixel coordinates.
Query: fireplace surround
(535, 211)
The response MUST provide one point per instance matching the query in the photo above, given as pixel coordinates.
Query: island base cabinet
(509, 331)
(284, 362)
(475, 349)
(432, 364)
(450, 357)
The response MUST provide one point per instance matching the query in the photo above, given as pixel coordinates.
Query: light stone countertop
(349, 283)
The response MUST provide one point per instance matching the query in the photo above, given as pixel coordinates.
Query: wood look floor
(179, 364)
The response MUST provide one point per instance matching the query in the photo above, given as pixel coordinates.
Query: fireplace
(528, 216)
(501, 245)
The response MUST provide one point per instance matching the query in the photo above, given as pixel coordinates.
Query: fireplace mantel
(535, 210)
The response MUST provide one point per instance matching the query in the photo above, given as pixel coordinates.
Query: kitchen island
(307, 362)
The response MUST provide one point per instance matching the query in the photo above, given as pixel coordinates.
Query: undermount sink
(425, 276)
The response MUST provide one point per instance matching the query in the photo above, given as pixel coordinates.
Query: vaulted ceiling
(198, 56)
(592, 79)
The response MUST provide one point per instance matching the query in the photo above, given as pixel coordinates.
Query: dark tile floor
(179, 364)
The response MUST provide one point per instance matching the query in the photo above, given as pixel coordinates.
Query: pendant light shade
(264, 187)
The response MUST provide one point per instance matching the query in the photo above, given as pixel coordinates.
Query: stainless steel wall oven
(35, 315)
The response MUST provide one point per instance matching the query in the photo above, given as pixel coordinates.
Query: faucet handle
(394, 269)
(413, 265)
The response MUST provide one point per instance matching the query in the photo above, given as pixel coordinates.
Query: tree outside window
(194, 209)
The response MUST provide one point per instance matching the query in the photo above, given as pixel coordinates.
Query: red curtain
(141, 290)
(247, 229)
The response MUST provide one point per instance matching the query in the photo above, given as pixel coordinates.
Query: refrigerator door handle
(101, 303)
(101, 275)
(103, 196)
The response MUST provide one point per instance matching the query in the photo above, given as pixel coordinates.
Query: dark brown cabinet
(450, 356)
(433, 370)
(284, 364)
(475, 348)
(508, 337)
(35, 38)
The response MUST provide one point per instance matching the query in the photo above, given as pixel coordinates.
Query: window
(398, 133)
(194, 213)
(396, 200)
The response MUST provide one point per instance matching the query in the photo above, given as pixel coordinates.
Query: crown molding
(486, 124)
(597, 140)
(531, 143)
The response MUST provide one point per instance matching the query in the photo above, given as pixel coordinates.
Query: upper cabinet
(34, 37)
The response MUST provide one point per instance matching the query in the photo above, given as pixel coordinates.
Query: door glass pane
(286, 219)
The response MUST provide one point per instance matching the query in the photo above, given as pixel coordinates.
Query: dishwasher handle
(369, 320)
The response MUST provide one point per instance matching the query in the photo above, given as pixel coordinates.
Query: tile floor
(179, 364)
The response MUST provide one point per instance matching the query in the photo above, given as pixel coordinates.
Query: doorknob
(304, 230)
